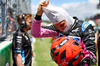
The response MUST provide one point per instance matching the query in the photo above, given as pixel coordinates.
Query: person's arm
(39, 32)
(36, 29)
(17, 45)
(42, 4)
(18, 58)
(51, 27)
(89, 41)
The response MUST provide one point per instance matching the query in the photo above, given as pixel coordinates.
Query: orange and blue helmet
(65, 51)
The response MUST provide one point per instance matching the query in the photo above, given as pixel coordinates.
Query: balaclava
(57, 14)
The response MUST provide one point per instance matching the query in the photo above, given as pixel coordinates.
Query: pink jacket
(38, 32)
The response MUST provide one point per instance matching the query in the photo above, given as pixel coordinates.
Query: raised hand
(42, 4)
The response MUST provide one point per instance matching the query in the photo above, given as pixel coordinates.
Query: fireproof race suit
(80, 28)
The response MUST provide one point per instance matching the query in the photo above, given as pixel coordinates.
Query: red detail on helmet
(64, 51)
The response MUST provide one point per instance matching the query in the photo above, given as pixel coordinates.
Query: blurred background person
(21, 44)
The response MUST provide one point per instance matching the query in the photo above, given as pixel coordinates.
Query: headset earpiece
(23, 22)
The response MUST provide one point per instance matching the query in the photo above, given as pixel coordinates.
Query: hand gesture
(42, 4)
(88, 61)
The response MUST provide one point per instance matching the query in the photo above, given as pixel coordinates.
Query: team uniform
(22, 44)
(80, 28)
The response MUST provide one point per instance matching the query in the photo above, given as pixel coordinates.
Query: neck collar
(75, 22)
